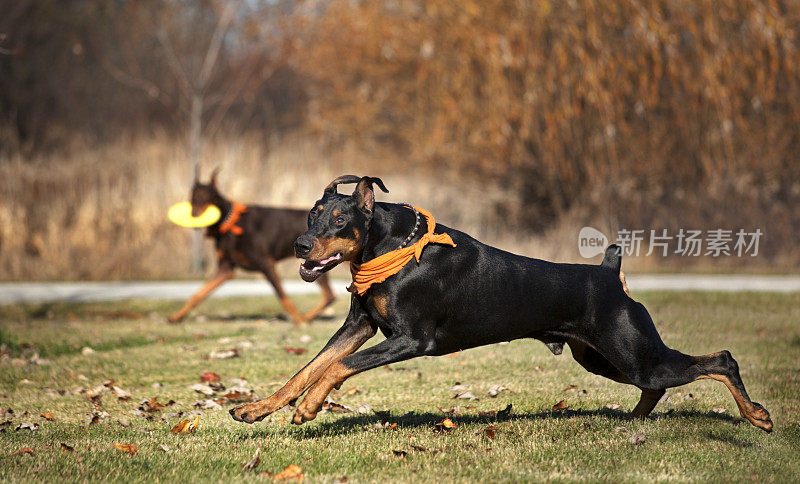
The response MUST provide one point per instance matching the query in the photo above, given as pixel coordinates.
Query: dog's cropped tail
(613, 260)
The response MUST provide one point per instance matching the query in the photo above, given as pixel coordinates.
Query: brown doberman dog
(432, 290)
(253, 238)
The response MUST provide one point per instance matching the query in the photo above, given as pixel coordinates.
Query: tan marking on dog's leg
(754, 412)
(647, 403)
(304, 379)
(333, 378)
(624, 283)
(222, 276)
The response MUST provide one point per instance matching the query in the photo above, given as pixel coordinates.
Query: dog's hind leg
(327, 297)
(596, 363)
(647, 402)
(272, 276)
(722, 367)
(632, 345)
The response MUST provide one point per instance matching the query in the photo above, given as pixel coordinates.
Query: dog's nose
(302, 246)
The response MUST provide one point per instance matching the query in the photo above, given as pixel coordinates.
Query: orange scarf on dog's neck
(229, 224)
(382, 267)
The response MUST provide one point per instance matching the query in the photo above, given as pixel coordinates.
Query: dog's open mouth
(312, 269)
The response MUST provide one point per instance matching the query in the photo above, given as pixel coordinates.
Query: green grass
(686, 439)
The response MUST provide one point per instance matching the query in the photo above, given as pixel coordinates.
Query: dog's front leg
(224, 273)
(357, 329)
(396, 348)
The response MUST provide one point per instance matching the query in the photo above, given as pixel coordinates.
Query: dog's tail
(613, 258)
(613, 261)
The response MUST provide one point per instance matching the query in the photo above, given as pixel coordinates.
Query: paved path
(113, 291)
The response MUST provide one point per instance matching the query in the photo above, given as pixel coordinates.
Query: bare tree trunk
(195, 130)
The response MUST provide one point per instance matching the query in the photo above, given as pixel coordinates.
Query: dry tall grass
(100, 213)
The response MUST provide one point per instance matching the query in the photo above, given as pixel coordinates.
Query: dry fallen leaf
(24, 450)
(95, 417)
(444, 425)
(186, 426)
(237, 395)
(490, 430)
(459, 387)
(152, 405)
(67, 448)
(560, 406)
(47, 416)
(295, 351)
(129, 448)
(637, 438)
(384, 425)
(202, 389)
(352, 391)
(253, 463)
(400, 453)
(466, 396)
(122, 395)
(209, 377)
(334, 407)
(207, 405)
(571, 388)
(363, 409)
(448, 411)
(223, 354)
(612, 406)
(495, 390)
(291, 471)
(32, 426)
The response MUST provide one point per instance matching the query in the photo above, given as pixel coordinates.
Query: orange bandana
(382, 267)
(229, 224)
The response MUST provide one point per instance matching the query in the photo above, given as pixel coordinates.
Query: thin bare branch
(175, 65)
(216, 43)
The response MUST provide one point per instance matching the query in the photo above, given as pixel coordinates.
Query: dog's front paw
(249, 412)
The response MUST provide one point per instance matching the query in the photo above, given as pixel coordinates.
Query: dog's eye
(339, 221)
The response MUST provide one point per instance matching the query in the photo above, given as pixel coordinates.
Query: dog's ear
(214, 174)
(331, 188)
(364, 195)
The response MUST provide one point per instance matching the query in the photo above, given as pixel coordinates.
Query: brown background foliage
(519, 121)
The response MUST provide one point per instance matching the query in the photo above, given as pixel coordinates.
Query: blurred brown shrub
(662, 113)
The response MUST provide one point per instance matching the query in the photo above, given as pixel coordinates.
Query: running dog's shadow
(415, 421)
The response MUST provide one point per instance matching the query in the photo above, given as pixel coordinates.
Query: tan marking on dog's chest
(381, 303)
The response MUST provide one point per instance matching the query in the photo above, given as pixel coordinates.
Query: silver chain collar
(416, 226)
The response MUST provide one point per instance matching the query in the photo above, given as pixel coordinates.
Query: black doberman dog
(471, 295)
(253, 238)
